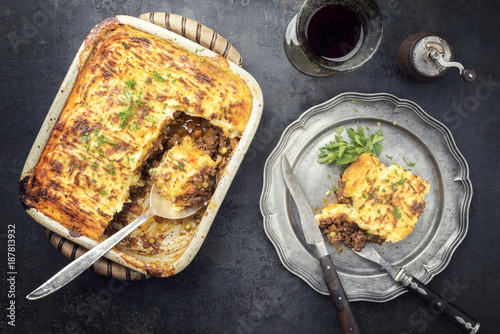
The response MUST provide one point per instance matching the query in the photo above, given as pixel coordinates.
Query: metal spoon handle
(76, 267)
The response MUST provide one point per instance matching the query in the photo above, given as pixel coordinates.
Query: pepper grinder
(427, 55)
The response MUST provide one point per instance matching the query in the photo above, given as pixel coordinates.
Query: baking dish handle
(196, 32)
(102, 266)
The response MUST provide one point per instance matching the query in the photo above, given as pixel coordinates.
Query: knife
(437, 304)
(314, 237)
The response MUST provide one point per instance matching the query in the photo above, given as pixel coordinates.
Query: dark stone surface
(237, 284)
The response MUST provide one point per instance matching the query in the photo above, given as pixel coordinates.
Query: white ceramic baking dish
(163, 263)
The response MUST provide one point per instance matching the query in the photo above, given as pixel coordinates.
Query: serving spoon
(159, 205)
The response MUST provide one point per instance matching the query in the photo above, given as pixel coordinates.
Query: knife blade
(314, 237)
(437, 304)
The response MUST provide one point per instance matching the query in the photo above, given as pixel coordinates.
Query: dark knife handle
(346, 318)
(439, 305)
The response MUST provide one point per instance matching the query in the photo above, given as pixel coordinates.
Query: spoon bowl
(159, 205)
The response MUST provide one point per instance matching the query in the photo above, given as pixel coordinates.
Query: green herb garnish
(397, 214)
(410, 164)
(135, 126)
(343, 153)
(158, 77)
(130, 84)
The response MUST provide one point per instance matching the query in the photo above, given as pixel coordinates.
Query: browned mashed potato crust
(127, 95)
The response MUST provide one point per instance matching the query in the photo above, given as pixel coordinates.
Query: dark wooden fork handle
(348, 324)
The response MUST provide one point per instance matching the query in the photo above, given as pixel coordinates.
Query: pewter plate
(411, 135)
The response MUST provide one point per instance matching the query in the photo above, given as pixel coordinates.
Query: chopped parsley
(335, 189)
(130, 84)
(125, 116)
(130, 104)
(85, 138)
(410, 164)
(397, 213)
(180, 166)
(363, 195)
(389, 157)
(129, 160)
(158, 77)
(199, 50)
(149, 119)
(134, 127)
(101, 140)
(103, 192)
(111, 167)
(401, 181)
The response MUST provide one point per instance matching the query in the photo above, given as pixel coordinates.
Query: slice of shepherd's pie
(375, 203)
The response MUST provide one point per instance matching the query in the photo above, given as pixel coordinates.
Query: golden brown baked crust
(123, 98)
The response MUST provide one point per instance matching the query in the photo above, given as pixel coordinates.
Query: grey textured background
(236, 284)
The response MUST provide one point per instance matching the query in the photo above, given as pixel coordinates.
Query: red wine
(334, 32)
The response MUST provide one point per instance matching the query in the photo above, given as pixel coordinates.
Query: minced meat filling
(207, 137)
(340, 229)
(341, 199)
(205, 183)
